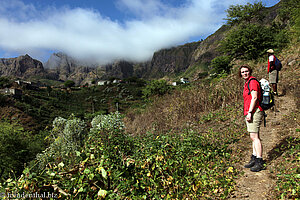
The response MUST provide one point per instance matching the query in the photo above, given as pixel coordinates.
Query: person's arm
(252, 105)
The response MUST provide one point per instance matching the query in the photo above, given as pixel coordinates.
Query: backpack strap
(259, 101)
(249, 83)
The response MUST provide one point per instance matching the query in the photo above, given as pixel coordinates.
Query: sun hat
(270, 51)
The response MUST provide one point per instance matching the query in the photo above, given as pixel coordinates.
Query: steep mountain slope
(22, 66)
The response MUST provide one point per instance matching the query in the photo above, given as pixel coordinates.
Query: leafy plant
(115, 165)
(17, 147)
(67, 137)
(288, 186)
(221, 64)
(249, 41)
(69, 83)
(156, 87)
(244, 13)
(4, 82)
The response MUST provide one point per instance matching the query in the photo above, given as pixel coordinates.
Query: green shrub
(3, 100)
(249, 41)
(107, 123)
(156, 87)
(240, 13)
(114, 165)
(17, 147)
(67, 136)
(4, 82)
(288, 172)
(221, 64)
(69, 83)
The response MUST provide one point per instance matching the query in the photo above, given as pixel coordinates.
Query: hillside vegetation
(183, 143)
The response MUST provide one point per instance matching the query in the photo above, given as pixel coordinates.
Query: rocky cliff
(63, 67)
(21, 67)
(171, 61)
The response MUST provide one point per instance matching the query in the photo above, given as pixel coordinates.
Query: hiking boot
(259, 165)
(251, 162)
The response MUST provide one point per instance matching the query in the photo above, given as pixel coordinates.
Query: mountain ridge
(169, 62)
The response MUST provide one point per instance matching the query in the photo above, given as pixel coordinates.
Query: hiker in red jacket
(253, 116)
(273, 73)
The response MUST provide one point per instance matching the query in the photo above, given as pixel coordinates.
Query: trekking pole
(265, 115)
(274, 107)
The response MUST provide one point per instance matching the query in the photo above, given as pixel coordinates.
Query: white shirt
(271, 58)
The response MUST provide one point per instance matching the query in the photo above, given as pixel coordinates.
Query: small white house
(101, 82)
(11, 91)
(184, 80)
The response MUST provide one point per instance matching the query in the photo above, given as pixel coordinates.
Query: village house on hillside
(11, 91)
(182, 81)
(30, 84)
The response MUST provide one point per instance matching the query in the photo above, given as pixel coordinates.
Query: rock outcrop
(21, 67)
(63, 67)
(171, 61)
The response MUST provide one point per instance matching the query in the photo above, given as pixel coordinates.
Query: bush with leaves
(3, 100)
(251, 41)
(288, 172)
(107, 123)
(114, 165)
(242, 13)
(17, 147)
(221, 64)
(67, 137)
(4, 82)
(156, 87)
(69, 83)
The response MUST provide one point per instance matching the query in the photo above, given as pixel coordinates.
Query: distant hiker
(253, 116)
(272, 70)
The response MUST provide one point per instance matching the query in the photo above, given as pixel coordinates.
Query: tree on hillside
(221, 64)
(4, 82)
(156, 87)
(240, 13)
(69, 83)
(249, 41)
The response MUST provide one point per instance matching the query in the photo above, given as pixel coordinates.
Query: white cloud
(86, 34)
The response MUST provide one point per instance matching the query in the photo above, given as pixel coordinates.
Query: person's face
(245, 73)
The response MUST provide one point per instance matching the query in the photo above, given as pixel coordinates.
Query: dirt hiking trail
(257, 185)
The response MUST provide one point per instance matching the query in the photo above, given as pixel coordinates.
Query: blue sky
(106, 30)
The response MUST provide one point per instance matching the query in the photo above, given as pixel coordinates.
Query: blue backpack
(278, 64)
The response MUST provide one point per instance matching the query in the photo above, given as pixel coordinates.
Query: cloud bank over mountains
(87, 34)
